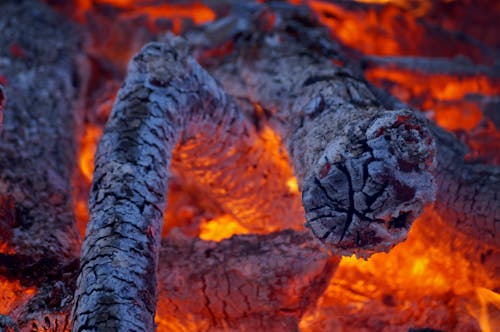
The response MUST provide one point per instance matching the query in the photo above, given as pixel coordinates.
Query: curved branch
(166, 97)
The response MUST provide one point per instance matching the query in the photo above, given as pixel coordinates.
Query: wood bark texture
(40, 61)
(245, 283)
(166, 94)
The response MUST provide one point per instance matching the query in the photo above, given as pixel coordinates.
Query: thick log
(40, 91)
(468, 195)
(366, 164)
(249, 282)
(364, 171)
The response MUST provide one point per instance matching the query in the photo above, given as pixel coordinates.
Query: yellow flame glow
(221, 228)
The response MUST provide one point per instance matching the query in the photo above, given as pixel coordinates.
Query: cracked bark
(248, 282)
(468, 195)
(40, 61)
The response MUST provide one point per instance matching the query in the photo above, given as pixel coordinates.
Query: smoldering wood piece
(38, 52)
(364, 171)
(245, 283)
(41, 85)
(468, 195)
(165, 98)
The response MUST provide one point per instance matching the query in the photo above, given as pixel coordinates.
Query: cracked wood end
(365, 171)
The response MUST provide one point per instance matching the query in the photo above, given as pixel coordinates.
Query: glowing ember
(13, 294)
(444, 94)
(87, 150)
(221, 228)
(293, 185)
(197, 12)
(487, 321)
(425, 279)
(371, 31)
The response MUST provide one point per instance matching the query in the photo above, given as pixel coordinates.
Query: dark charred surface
(214, 281)
(41, 85)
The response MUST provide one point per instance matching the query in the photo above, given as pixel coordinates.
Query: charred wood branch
(250, 282)
(166, 96)
(41, 87)
(38, 140)
(468, 195)
(364, 171)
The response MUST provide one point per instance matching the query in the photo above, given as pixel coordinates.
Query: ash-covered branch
(41, 83)
(166, 97)
(246, 283)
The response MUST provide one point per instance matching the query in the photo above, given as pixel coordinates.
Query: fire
(417, 8)
(13, 294)
(292, 185)
(486, 297)
(445, 94)
(221, 228)
(372, 31)
(435, 277)
(394, 28)
(88, 146)
(426, 270)
(197, 12)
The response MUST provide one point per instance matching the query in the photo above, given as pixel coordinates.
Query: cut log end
(363, 201)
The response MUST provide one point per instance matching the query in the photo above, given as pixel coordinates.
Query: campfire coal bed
(274, 166)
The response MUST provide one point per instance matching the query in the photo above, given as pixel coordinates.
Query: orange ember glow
(13, 294)
(221, 228)
(88, 146)
(425, 279)
(489, 312)
(370, 31)
(445, 95)
(197, 12)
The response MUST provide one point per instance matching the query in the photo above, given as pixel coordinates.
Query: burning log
(365, 171)
(468, 194)
(42, 88)
(248, 282)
